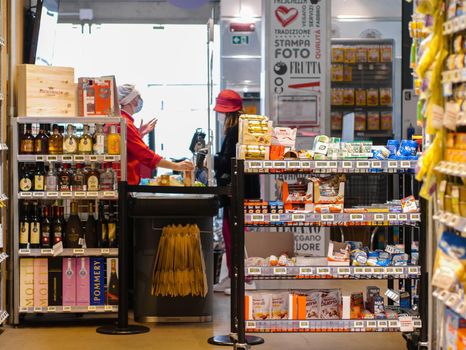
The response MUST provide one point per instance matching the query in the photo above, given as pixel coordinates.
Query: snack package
(329, 189)
(385, 96)
(380, 152)
(361, 98)
(360, 121)
(386, 121)
(379, 307)
(336, 121)
(330, 304)
(350, 55)
(284, 136)
(338, 54)
(258, 306)
(450, 261)
(357, 305)
(409, 205)
(337, 72)
(400, 259)
(347, 73)
(337, 97)
(348, 97)
(280, 306)
(361, 54)
(373, 121)
(373, 97)
(338, 254)
(254, 261)
(313, 305)
(386, 53)
(373, 54)
(371, 293)
(255, 130)
(253, 152)
(358, 257)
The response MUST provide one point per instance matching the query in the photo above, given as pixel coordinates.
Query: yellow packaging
(338, 54)
(386, 53)
(337, 97)
(337, 72)
(373, 54)
(373, 121)
(361, 98)
(372, 97)
(385, 97)
(361, 54)
(253, 152)
(255, 132)
(348, 97)
(348, 73)
(350, 55)
(455, 200)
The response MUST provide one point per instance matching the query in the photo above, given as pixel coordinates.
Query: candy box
(338, 254)
(409, 205)
(330, 304)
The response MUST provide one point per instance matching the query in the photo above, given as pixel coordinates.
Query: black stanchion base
(129, 330)
(226, 340)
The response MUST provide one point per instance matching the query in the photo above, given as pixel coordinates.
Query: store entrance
(171, 78)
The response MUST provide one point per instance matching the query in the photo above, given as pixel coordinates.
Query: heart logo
(286, 15)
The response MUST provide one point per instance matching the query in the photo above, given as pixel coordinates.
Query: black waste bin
(150, 213)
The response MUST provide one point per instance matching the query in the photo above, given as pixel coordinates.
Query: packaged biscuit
(259, 306)
(373, 121)
(338, 54)
(373, 54)
(330, 304)
(329, 189)
(336, 121)
(337, 97)
(361, 54)
(385, 97)
(348, 97)
(350, 55)
(313, 305)
(360, 121)
(348, 73)
(386, 120)
(450, 262)
(361, 98)
(280, 306)
(372, 97)
(386, 53)
(337, 72)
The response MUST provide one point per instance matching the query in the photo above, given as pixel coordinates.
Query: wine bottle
(73, 228)
(70, 142)
(26, 179)
(78, 182)
(46, 233)
(57, 226)
(41, 142)
(56, 141)
(91, 228)
(26, 145)
(107, 178)
(112, 227)
(85, 141)
(24, 227)
(34, 227)
(64, 178)
(102, 228)
(39, 177)
(51, 180)
(100, 141)
(112, 291)
(92, 178)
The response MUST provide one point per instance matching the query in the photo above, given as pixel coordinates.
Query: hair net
(126, 93)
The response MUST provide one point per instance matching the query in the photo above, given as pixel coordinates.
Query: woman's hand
(185, 165)
(144, 129)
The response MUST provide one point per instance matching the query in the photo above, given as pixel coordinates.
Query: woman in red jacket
(137, 151)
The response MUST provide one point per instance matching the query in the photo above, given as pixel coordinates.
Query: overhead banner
(297, 62)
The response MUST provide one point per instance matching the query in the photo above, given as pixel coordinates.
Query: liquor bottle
(47, 131)
(39, 177)
(100, 141)
(112, 227)
(85, 141)
(51, 180)
(74, 230)
(107, 178)
(112, 292)
(41, 142)
(78, 181)
(56, 141)
(92, 178)
(46, 233)
(70, 142)
(102, 228)
(24, 227)
(26, 179)
(90, 231)
(113, 141)
(34, 227)
(27, 141)
(57, 226)
(64, 178)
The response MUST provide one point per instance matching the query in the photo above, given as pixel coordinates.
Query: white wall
(366, 8)
(234, 8)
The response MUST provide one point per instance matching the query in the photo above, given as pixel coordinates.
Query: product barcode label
(392, 217)
(254, 271)
(328, 217)
(306, 271)
(80, 194)
(405, 164)
(392, 164)
(306, 165)
(40, 158)
(51, 309)
(275, 217)
(279, 271)
(255, 165)
(358, 324)
(358, 270)
(46, 251)
(452, 300)
(363, 165)
(294, 165)
(37, 309)
(67, 308)
(344, 271)
(257, 218)
(347, 165)
(389, 270)
(368, 270)
(268, 165)
(356, 217)
(413, 270)
(92, 308)
(378, 270)
(105, 251)
(372, 324)
(376, 165)
(382, 324)
(67, 194)
(417, 323)
(23, 309)
(298, 217)
(78, 251)
(398, 270)
(304, 324)
(38, 194)
(323, 271)
(379, 217)
(108, 308)
(250, 325)
(24, 251)
(416, 217)
(402, 217)
(443, 295)
(79, 158)
(52, 194)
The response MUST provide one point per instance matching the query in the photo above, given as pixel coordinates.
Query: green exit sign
(240, 40)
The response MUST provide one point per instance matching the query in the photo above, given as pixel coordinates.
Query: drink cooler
(150, 214)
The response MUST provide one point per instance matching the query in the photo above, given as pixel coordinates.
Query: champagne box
(112, 281)
(26, 282)
(97, 281)
(41, 282)
(55, 282)
(69, 281)
(82, 282)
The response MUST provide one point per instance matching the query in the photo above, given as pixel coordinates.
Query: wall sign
(297, 64)
(314, 242)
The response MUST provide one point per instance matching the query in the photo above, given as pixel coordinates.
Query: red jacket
(137, 152)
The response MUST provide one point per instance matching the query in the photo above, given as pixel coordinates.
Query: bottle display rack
(100, 260)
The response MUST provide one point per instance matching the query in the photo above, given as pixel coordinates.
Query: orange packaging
(277, 152)
(373, 121)
(361, 98)
(337, 72)
(350, 55)
(336, 121)
(348, 97)
(360, 121)
(451, 140)
(372, 97)
(338, 54)
(373, 54)
(461, 342)
(386, 121)
(386, 53)
(385, 97)
(95, 96)
(348, 73)
(337, 97)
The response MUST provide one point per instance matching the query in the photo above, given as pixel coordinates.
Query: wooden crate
(46, 91)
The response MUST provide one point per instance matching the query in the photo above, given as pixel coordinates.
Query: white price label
(108, 308)
(294, 165)
(79, 158)
(255, 165)
(254, 271)
(66, 194)
(394, 324)
(23, 309)
(279, 165)
(80, 194)
(376, 165)
(257, 218)
(417, 323)
(268, 165)
(92, 308)
(104, 251)
(92, 194)
(38, 194)
(392, 164)
(24, 252)
(52, 194)
(279, 270)
(109, 158)
(40, 158)
(344, 271)
(443, 295)
(392, 217)
(93, 158)
(57, 248)
(275, 217)
(406, 324)
(452, 301)
(328, 217)
(379, 217)
(67, 308)
(66, 159)
(3, 317)
(347, 165)
(306, 165)
(371, 324)
(109, 193)
(414, 270)
(306, 271)
(358, 324)
(363, 165)
(323, 271)
(51, 309)
(25, 194)
(402, 217)
(52, 158)
(398, 271)
(333, 165)
(368, 270)
(405, 164)
(37, 309)
(304, 324)
(46, 251)
(461, 308)
(298, 217)
(378, 271)
(382, 324)
(250, 325)
(359, 271)
(78, 251)
(321, 165)
(389, 270)
(356, 217)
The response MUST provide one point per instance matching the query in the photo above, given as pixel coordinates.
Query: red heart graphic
(286, 15)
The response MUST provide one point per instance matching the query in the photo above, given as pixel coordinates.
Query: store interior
(199, 174)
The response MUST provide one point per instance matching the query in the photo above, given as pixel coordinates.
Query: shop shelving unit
(20, 311)
(408, 320)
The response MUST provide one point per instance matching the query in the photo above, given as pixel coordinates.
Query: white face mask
(221, 118)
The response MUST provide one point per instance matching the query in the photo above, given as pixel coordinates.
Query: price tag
(92, 308)
(67, 308)
(66, 194)
(452, 301)
(344, 271)
(363, 165)
(376, 165)
(392, 217)
(268, 165)
(379, 217)
(92, 194)
(46, 251)
(333, 165)
(255, 165)
(414, 270)
(52, 158)
(280, 270)
(250, 325)
(66, 159)
(443, 295)
(108, 308)
(78, 251)
(358, 324)
(416, 217)
(382, 324)
(37, 309)
(417, 323)
(323, 271)
(294, 165)
(356, 217)
(40, 158)
(359, 271)
(321, 165)
(57, 248)
(347, 165)
(80, 194)
(371, 324)
(104, 251)
(257, 217)
(393, 324)
(79, 158)
(304, 324)
(25, 194)
(24, 251)
(52, 194)
(279, 165)
(38, 194)
(298, 217)
(109, 158)
(402, 217)
(392, 164)
(378, 271)
(275, 217)
(306, 271)
(406, 324)
(328, 217)
(451, 115)
(93, 158)
(23, 309)
(109, 193)
(51, 309)
(368, 270)
(398, 270)
(461, 308)
(305, 165)
(405, 164)
(254, 271)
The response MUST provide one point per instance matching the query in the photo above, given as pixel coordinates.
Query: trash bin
(150, 213)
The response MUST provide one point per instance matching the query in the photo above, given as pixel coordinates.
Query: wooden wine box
(45, 91)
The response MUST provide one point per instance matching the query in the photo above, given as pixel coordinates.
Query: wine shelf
(344, 219)
(68, 158)
(108, 252)
(331, 272)
(69, 195)
(451, 220)
(72, 309)
(331, 166)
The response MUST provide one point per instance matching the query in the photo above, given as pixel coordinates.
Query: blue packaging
(392, 146)
(408, 148)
